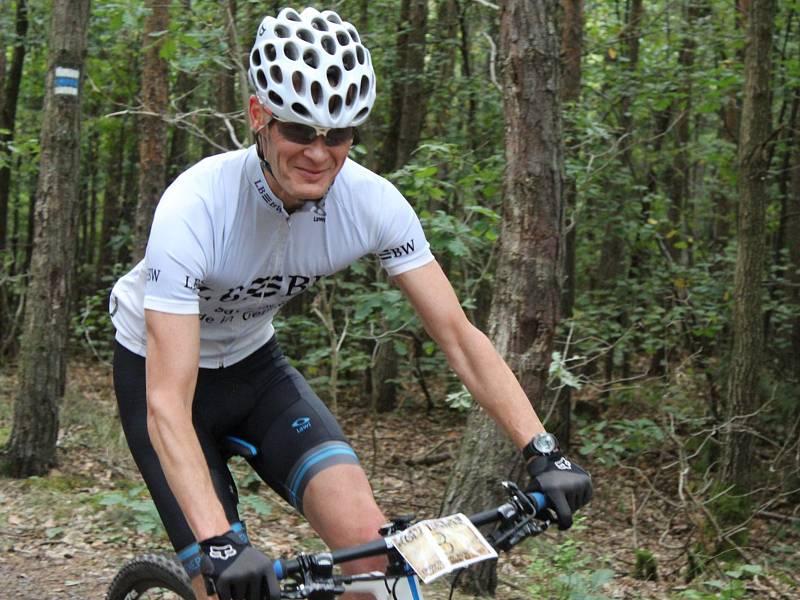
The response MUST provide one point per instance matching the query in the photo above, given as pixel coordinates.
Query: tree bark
(409, 92)
(793, 240)
(152, 129)
(526, 301)
(384, 372)
(112, 199)
(613, 256)
(42, 365)
(570, 92)
(8, 111)
(743, 399)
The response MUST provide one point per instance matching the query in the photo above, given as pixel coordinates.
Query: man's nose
(317, 150)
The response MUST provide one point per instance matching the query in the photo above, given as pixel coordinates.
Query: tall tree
(613, 254)
(8, 110)
(570, 91)
(793, 236)
(409, 97)
(407, 116)
(152, 131)
(42, 363)
(526, 301)
(748, 335)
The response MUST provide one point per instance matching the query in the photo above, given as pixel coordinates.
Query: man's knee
(339, 504)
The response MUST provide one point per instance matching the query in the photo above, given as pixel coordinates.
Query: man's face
(301, 171)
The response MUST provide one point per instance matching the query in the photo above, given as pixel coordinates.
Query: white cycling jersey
(223, 247)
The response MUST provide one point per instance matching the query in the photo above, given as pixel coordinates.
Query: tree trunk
(571, 49)
(526, 301)
(409, 93)
(443, 57)
(42, 366)
(611, 268)
(241, 60)
(112, 199)
(743, 398)
(793, 240)
(8, 111)
(152, 128)
(384, 373)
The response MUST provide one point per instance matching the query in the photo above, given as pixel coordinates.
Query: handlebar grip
(280, 572)
(539, 500)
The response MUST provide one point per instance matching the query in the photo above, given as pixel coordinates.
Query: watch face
(545, 443)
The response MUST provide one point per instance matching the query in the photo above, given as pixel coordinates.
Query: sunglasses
(297, 133)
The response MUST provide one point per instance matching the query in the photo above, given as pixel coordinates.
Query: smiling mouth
(311, 173)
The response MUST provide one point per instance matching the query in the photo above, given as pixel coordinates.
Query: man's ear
(259, 114)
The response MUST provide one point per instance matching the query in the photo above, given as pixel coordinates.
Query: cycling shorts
(263, 402)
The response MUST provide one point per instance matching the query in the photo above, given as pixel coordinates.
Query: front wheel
(151, 577)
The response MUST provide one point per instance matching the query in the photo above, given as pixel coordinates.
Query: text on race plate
(436, 547)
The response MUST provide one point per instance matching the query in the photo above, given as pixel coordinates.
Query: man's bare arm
(469, 352)
(173, 351)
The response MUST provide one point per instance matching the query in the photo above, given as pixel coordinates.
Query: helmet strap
(264, 164)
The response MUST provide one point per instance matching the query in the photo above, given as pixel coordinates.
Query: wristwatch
(542, 444)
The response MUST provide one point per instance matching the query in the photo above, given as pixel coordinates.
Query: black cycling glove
(234, 570)
(566, 485)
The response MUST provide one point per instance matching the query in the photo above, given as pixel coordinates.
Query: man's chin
(307, 191)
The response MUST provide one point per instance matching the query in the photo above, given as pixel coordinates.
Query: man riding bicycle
(233, 239)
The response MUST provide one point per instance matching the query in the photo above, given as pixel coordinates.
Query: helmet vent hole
(275, 98)
(360, 55)
(319, 24)
(334, 18)
(311, 58)
(298, 82)
(276, 74)
(352, 92)
(329, 44)
(262, 79)
(291, 51)
(341, 36)
(334, 76)
(364, 87)
(281, 31)
(292, 15)
(270, 51)
(301, 110)
(305, 35)
(255, 58)
(349, 61)
(316, 92)
(335, 105)
(362, 113)
(353, 35)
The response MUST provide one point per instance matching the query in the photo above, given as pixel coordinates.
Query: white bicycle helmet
(311, 68)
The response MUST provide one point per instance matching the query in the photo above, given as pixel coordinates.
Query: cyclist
(233, 239)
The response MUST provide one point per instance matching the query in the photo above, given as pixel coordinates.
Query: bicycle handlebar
(286, 567)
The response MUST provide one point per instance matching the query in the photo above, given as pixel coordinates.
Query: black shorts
(263, 402)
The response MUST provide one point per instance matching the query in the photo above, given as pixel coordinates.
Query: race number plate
(436, 547)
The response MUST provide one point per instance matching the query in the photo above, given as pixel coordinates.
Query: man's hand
(234, 570)
(566, 485)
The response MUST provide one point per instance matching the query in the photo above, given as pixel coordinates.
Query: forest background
(675, 356)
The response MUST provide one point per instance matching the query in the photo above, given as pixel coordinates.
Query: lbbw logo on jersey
(222, 552)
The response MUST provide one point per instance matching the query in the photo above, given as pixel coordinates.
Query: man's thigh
(340, 506)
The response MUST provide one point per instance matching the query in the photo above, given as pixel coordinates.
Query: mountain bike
(402, 541)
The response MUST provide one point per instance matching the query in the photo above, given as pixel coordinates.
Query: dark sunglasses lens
(297, 133)
(337, 137)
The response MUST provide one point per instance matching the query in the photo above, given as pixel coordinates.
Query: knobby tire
(150, 572)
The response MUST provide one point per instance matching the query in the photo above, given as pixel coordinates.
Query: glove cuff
(191, 558)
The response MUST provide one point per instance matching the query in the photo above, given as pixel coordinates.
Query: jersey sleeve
(401, 244)
(178, 254)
